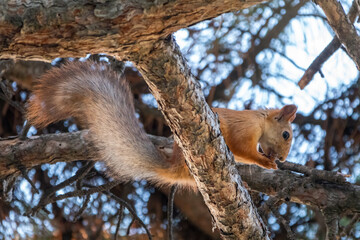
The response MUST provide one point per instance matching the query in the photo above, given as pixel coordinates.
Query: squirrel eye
(286, 135)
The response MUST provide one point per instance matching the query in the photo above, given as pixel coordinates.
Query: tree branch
(49, 29)
(196, 130)
(327, 52)
(342, 27)
(309, 190)
(50, 148)
(332, 223)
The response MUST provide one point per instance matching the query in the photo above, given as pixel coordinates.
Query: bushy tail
(100, 99)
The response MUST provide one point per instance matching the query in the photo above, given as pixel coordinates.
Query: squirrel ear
(287, 113)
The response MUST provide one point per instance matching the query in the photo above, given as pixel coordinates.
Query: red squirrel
(102, 101)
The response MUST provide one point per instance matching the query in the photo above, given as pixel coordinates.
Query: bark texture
(44, 30)
(196, 130)
(51, 148)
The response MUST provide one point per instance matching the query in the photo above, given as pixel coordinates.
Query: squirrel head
(277, 137)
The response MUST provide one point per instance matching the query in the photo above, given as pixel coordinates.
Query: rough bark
(196, 130)
(50, 148)
(67, 147)
(44, 30)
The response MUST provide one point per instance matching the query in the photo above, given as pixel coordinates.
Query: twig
(284, 222)
(346, 231)
(273, 202)
(332, 223)
(80, 173)
(121, 213)
(318, 62)
(287, 58)
(82, 209)
(326, 53)
(47, 200)
(334, 177)
(25, 175)
(23, 171)
(78, 193)
(131, 210)
(128, 228)
(7, 95)
(170, 210)
(24, 131)
(47, 195)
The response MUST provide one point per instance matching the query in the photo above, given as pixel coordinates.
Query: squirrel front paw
(267, 162)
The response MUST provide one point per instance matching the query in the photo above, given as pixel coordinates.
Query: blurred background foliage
(244, 60)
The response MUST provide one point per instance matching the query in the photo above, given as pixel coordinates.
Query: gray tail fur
(102, 101)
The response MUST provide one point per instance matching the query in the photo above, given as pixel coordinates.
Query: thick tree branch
(308, 190)
(45, 30)
(342, 27)
(44, 149)
(302, 189)
(196, 130)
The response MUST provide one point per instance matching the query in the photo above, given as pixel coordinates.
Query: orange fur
(243, 131)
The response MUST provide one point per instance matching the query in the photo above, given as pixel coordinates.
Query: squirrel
(101, 100)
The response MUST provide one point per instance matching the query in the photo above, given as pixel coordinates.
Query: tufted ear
(287, 113)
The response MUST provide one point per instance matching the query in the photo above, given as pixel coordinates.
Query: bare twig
(170, 211)
(332, 223)
(334, 177)
(121, 213)
(284, 222)
(274, 202)
(23, 171)
(25, 175)
(318, 62)
(287, 58)
(25, 130)
(129, 227)
(47, 196)
(80, 173)
(327, 52)
(346, 231)
(78, 193)
(131, 210)
(82, 209)
(7, 95)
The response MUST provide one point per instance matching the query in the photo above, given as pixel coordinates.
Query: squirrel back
(101, 100)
